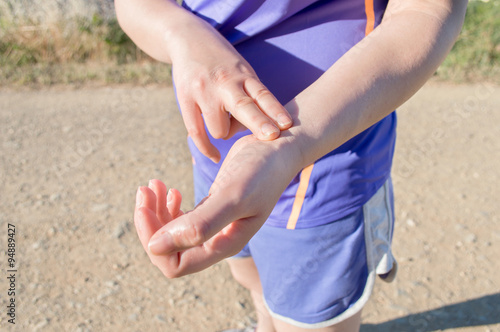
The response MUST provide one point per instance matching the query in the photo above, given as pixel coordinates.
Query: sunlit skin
(365, 85)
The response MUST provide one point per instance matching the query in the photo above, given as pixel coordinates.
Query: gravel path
(71, 160)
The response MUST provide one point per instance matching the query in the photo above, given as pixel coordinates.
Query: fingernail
(150, 184)
(169, 196)
(139, 197)
(283, 120)
(160, 244)
(268, 129)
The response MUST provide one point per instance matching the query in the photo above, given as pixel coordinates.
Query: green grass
(96, 50)
(476, 54)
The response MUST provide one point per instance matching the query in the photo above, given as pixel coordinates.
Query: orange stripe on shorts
(370, 17)
(299, 196)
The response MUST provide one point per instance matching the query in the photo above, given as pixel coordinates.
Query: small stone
(111, 283)
(100, 207)
(471, 238)
(118, 233)
(411, 223)
(161, 318)
(40, 325)
(51, 232)
(55, 197)
(121, 229)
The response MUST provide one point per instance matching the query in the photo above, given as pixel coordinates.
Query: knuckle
(242, 102)
(219, 75)
(194, 132)
(196, 234)
(198, 83)
(262, 93)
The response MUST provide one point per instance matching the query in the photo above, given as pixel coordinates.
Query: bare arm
(364, 86)
(160, 27)
(377, 75)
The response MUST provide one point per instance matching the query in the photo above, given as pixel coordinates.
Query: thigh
(245, 272)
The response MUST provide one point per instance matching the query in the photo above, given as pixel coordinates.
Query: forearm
(375, 77)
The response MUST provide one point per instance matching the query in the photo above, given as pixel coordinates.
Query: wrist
(187, 35)
(289, 147)
(176, 31)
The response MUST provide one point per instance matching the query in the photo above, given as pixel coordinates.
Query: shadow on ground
(476, 312)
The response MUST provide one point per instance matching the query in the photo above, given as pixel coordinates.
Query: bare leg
(245, 272)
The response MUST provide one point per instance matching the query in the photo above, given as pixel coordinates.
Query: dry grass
(48, 48)
(78, 51)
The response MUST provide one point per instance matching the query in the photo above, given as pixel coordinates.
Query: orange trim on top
(370, 17)
(299, 197)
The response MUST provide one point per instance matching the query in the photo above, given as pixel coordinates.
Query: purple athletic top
(290, 43)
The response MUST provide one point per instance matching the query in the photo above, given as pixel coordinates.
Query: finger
(149, 223)
(216, 119)
(246, 111)
(145, 219)
(195, 227)
(195, 127)
(234, 128)
(225, 243)
(174, 199)
(160, 191)
(268, 103)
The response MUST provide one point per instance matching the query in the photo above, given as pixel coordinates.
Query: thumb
(195, 227)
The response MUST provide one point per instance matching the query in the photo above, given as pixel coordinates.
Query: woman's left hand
(245, 191)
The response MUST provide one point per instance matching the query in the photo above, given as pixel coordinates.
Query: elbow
(457, 17)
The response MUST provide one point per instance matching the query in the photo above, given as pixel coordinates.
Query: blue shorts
(319, 276)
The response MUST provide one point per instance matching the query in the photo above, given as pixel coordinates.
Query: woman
(314, 201)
